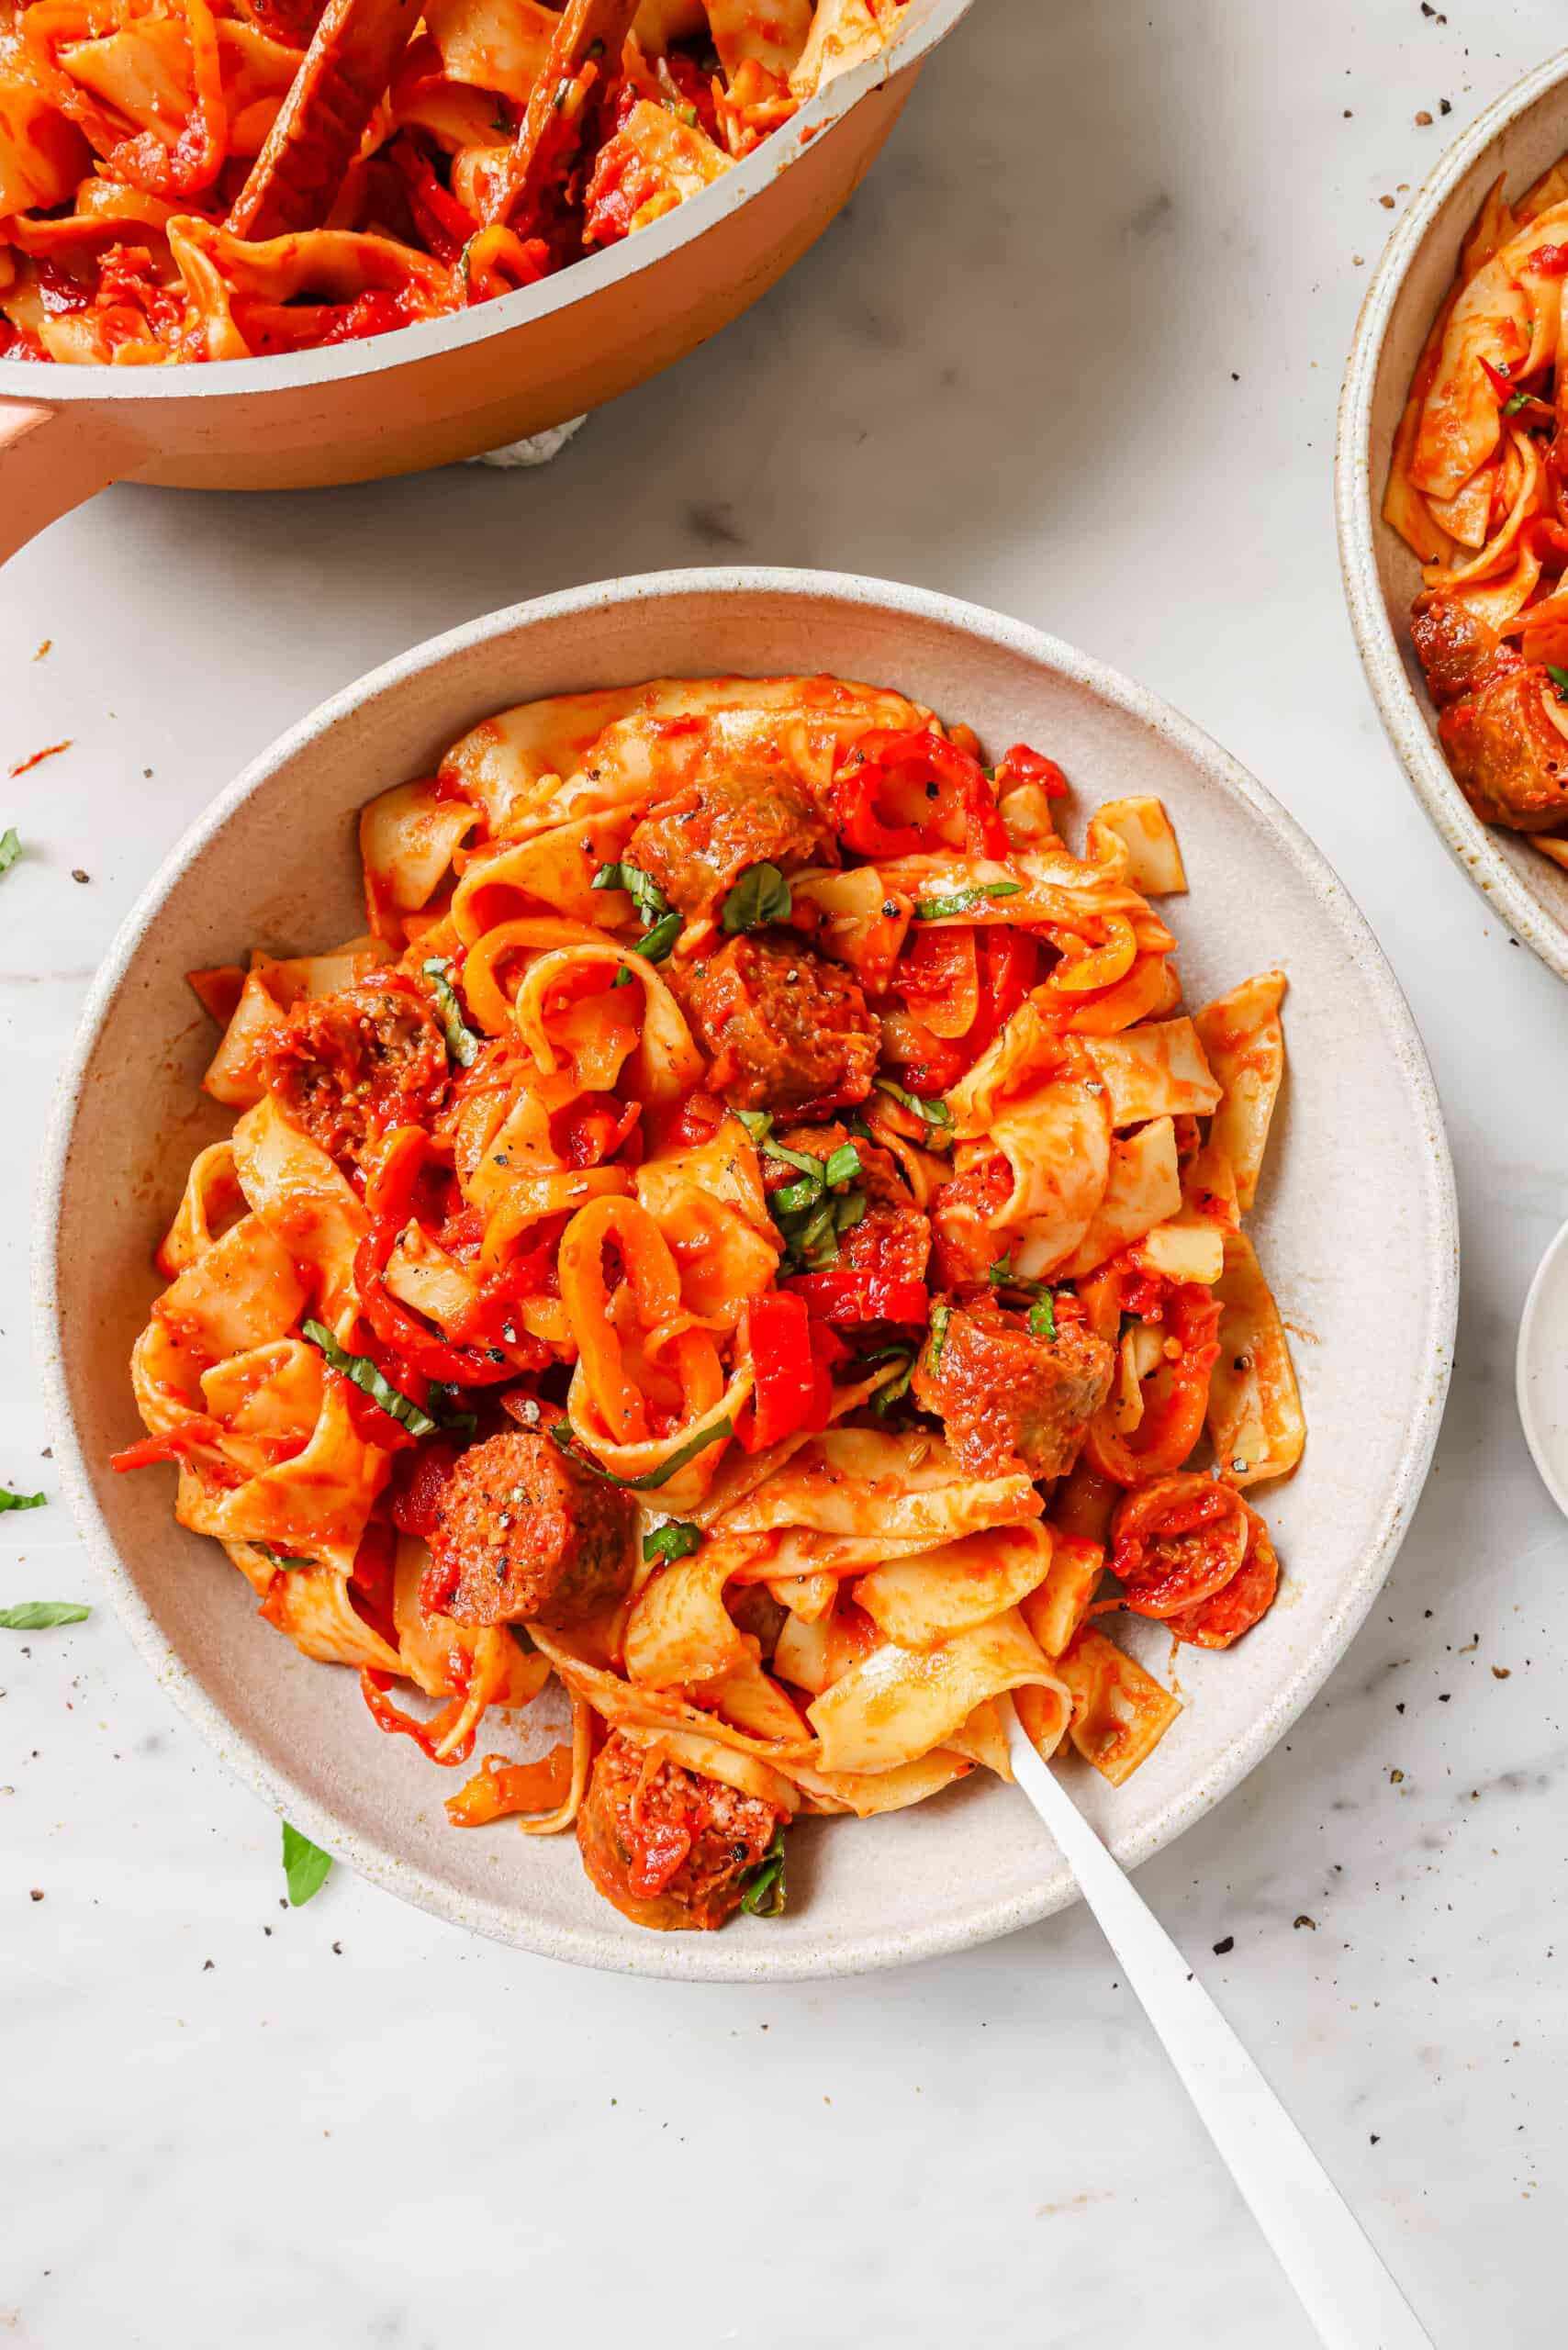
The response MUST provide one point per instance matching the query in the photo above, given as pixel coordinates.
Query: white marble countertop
(1073, 353)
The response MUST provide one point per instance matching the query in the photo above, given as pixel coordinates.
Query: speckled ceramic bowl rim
(1357, 501)
(715, 1958)
(1536, 1335)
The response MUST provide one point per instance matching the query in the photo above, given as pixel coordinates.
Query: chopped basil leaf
(760, 895)
(1516, 401)
(10, 847)
(640, 887)
(848, 1210)
(1559, 680)
(657, 942)
(622, 978)
(758, 1124)
(795, 1196)
(895, 1389)
(283, 1558)
(804, 1159)
(453, 1419)
(461, 1041)
(939, 1332)
(42, 1615)
(676, 1539)
(304, 1865)
(19, 1501)
(371, 1381)
(964, 902)
(935, 1111)
(811, 1212)
(765, 1894)
(571, 1444)
(1042, 1314)
(559, 100)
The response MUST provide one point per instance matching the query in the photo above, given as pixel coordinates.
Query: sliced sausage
(1454, 647)
(669, 1848)
(520, 1535)
(1507, 757)
(1007, 1394)
(697, 844)
(351, 1066)
(781, 1028)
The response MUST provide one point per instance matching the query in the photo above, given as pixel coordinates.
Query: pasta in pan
(219, 179)
(748, 1235)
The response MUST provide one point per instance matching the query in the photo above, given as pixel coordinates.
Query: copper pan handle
(50, 460)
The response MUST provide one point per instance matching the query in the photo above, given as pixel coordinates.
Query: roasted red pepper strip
(1025, 766)
(787, 1394)
(961, 788)
(389, 1198)
(175, 1445)
(850, 1294)
(445, 224)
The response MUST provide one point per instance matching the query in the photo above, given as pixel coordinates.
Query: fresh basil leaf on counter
(42, 1614)
(305, 1867)
(19, 1501)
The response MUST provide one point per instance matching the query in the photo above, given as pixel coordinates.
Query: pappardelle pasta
(747, 1233)
(1478, 490)
(223, 179)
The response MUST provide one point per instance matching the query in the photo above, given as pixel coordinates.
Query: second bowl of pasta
(766, 1168)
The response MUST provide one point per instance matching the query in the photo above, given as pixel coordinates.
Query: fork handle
(1342, 2283)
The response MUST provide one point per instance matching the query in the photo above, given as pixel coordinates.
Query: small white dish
(1541, 1370)
(1355, 1222)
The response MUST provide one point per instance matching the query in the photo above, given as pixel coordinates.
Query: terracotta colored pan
(451, 388)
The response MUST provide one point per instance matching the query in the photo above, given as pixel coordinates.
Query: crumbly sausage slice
(781, 1027)
(669, 1848)
(351, 1066)
(1005, 1394)
(697, 844)
(1454, 647)
(1507, 757)
(521, 1536)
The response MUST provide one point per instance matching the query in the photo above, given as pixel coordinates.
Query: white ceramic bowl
(1519, 135)
(1541, 1370)
(1359, 1242)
